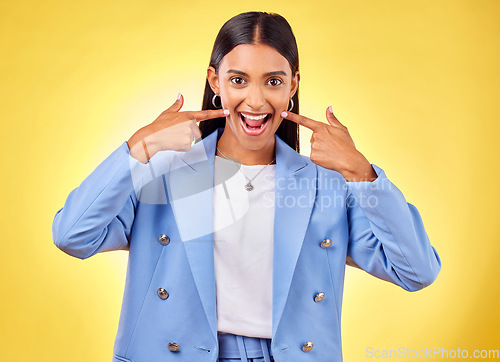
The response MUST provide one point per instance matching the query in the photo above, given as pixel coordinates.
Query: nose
(255, 98)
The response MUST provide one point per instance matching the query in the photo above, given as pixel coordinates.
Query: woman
(238, 244)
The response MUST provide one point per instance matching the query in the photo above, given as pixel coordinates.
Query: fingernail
(179, 96)
(330, 109)
(226, 112)
(284, 114)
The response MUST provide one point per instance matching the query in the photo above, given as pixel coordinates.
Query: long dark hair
(255, 28)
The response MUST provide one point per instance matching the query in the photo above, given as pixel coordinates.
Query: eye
(237, 80)
(275, 81)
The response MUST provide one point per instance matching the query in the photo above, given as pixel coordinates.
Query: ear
(213, 79)
(295, 84)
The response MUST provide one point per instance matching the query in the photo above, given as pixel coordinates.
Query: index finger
(199, 116)
(304, 121)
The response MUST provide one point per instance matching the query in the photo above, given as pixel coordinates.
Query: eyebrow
(276, 72)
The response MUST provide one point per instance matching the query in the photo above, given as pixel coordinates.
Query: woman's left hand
(333, 148)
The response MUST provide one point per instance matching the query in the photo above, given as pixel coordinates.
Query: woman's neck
(229, 147)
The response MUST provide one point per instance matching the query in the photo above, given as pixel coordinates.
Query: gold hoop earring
(213, 101)
(291, 106)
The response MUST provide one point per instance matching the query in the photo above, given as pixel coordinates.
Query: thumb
(176, 107)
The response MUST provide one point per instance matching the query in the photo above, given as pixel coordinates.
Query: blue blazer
(162, 213)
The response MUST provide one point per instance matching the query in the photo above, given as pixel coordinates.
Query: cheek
(279, 99)
(281, 104)
(231, 98)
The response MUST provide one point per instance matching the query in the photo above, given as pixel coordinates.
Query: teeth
(254, 117)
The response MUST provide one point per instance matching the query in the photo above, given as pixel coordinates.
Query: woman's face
(255, 84)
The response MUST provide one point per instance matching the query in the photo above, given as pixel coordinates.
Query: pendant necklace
(248, 186)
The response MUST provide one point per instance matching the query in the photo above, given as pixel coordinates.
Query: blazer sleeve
(387, 236)
(98, 215)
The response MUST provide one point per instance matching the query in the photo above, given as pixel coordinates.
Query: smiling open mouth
(254, 125)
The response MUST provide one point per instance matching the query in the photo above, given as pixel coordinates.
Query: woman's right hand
(172, 130)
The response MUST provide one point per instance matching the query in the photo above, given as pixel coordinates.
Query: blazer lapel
(190, 191)
(293, 205)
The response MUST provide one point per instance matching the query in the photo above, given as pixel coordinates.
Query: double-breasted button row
(326, 243)
(164, 239)
(319, 296)
(173, 347)
(308, 346)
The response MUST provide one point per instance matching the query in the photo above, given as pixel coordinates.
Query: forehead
(254, 59)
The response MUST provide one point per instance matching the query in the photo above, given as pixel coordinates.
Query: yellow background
(414, 81)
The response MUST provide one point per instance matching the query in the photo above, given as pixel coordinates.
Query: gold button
(307, 346)
(173, 347)
(326, 243)
(319, 297)
(162, 293)
(164, 239)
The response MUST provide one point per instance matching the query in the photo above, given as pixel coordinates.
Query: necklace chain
(248, 185)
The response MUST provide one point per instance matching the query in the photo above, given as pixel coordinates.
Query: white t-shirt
(243, 248)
